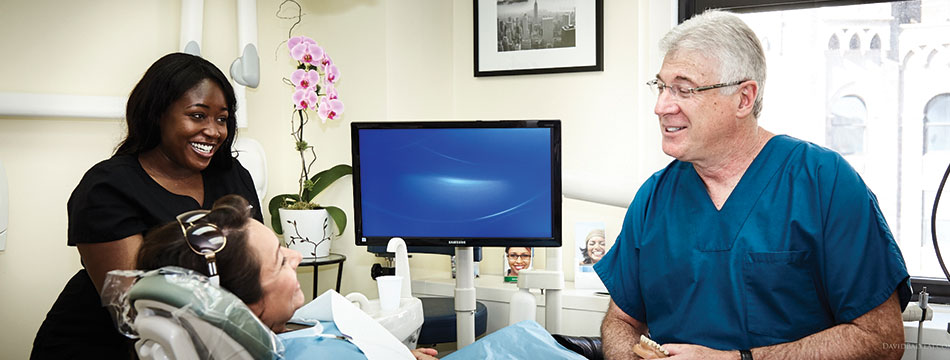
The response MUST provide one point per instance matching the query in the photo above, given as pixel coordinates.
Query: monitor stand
(465, 296)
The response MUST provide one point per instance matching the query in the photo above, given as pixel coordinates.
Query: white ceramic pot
(307, 231)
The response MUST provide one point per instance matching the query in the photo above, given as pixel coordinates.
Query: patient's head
(252, 264)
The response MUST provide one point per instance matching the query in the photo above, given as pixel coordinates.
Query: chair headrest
(191, 291)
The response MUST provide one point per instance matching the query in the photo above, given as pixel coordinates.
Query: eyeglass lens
(657, 87)
(205, 237)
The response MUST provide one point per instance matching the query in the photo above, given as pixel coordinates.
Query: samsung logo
(456, 242)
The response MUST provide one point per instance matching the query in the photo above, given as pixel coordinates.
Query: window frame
(939, 289)
(688, 8)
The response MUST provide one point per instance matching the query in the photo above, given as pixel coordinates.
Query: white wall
(404, 60)
(90, 48)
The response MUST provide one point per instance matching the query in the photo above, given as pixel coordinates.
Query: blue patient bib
(313, 347)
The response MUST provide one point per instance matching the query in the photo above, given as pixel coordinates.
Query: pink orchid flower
(307, 53)
(332, 73)
(329, 109)
(332, 94)
(304, 99)
(303, 79)
(294, 41)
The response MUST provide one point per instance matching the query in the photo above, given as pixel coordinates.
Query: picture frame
(519, 37)
(590, 245)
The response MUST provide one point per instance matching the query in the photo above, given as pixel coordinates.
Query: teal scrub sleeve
(619, 269)
(862, 264)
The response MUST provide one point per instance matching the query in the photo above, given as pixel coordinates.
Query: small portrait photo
(517, 259)
(590, 245)
(593, 247)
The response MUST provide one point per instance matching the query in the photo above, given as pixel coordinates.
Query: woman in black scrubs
(176, 157)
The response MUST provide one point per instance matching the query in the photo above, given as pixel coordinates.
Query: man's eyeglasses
(203, 238)
(682, 92)
(523, 257)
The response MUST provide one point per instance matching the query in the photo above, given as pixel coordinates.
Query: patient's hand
(425, 354)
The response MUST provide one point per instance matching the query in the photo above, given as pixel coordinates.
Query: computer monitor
(459, 183)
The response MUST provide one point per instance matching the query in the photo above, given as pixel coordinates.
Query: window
(833, 43)
(872, 93)
(937, 124)
(846, 125)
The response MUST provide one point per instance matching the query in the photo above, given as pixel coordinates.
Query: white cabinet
(581, 315)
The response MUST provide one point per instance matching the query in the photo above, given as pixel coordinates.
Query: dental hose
(933, 223)
(923, 297)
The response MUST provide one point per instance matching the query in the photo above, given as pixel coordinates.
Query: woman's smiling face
(281, 290)
(519, 258)
(596, 247)
(194, 126)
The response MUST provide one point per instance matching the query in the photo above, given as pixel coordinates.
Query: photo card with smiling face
(590, 245)
(517, 259)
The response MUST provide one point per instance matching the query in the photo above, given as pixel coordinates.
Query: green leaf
(302, 145)
(339, 217)
(324, 179)
(276, 203)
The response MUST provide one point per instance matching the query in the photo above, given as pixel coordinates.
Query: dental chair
(177, 314)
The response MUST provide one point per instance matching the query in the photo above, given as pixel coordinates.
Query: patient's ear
(260, 310)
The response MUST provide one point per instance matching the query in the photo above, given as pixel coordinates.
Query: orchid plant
(314, 81)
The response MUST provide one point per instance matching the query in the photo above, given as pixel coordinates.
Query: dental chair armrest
(590, 347)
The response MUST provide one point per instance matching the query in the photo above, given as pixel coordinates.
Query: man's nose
(665, 104)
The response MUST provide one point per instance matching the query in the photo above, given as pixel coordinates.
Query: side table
(326, 260)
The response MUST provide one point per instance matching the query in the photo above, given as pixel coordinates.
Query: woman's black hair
(509, 248)
(238, 267)
(163, 83)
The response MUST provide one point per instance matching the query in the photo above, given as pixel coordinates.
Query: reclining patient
(253, 266)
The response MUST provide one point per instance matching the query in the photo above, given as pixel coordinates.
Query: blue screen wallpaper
(466, 183)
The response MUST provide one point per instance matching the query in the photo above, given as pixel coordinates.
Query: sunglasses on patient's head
(203, 238)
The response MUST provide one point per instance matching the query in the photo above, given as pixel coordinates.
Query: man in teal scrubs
(748, 245)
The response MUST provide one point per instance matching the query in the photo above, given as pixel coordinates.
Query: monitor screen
(470, 183)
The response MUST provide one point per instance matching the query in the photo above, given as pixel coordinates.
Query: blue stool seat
(439, 324)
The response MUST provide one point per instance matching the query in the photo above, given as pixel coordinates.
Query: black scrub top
(116, 199)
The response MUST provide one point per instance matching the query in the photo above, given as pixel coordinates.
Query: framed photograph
(516, 37)
(590, 244)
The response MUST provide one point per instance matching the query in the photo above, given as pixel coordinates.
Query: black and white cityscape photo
(536, 24)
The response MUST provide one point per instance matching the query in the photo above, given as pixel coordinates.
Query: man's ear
(748, 91)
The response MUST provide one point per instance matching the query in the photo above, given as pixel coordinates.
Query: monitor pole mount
(465, 296)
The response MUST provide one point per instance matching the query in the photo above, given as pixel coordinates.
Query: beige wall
(408, 59)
